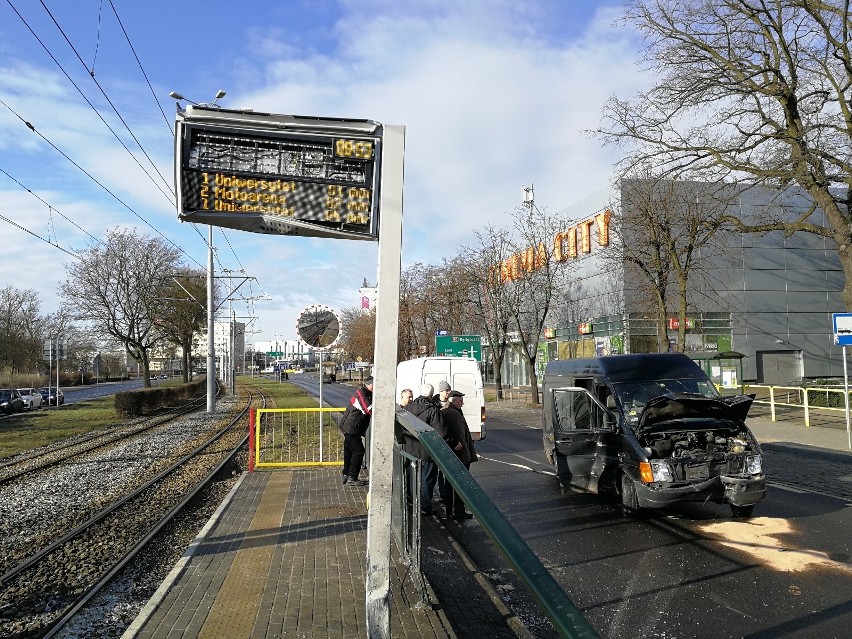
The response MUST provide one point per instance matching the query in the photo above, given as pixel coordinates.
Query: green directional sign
(275, 353)
(459, 346)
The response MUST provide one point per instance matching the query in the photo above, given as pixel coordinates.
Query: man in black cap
(457, 430)
(353, 425)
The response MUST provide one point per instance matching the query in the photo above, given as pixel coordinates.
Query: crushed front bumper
(739, 491)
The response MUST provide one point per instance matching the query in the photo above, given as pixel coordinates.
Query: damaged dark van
(651, 428)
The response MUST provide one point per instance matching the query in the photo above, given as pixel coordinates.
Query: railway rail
(53, 573)
(43, 458)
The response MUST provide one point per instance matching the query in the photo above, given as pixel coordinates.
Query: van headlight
(753, 464)
(655, 471)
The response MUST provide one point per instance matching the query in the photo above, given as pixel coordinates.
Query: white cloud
(494, 96)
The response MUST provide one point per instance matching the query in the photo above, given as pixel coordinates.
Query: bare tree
(359, 333)
(490, 296)
(536, 270)
(21, 330)
(666, 232)
(117, 287)
(184, 312)
(750, 91)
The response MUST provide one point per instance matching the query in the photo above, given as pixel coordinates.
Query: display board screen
(288, 181)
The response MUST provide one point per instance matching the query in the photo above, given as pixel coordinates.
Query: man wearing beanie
(443, 395)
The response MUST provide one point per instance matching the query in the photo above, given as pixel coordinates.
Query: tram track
(46, 457)
(61, 572)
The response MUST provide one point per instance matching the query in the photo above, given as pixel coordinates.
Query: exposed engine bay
(698, 444)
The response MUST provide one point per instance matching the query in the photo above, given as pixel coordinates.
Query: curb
(512, 620)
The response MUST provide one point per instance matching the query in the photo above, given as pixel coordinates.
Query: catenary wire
(92, 74)
(96, 181)
(49, 206)
(107, 98)
(26, 230)
(92, 106)
(139, 62)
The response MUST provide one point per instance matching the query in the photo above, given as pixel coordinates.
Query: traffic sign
(459, 346)
(275, 353)
(842, 323)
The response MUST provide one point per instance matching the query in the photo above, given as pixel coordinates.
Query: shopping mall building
(765, 296)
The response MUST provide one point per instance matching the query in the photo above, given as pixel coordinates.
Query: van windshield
(634, 395)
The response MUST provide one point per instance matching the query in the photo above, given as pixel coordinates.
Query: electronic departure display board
(279, 174)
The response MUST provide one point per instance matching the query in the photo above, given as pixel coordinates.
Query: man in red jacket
(354, 425)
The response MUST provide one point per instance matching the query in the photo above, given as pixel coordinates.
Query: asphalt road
(690, 571)
(84, 393)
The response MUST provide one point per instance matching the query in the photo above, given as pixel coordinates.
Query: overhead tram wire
(95, 180)
(26, 230)
(104, 93)
(139, 62)
(50, 206)
(93, 107)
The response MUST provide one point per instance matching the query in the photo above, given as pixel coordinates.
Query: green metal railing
(564, 616)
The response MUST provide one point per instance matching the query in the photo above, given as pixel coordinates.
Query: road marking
(522, 466)
(805, 491)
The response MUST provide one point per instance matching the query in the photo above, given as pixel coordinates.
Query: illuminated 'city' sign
(566, 245)
(279, 174)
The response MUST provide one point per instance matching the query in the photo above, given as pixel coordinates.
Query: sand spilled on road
(757, 538)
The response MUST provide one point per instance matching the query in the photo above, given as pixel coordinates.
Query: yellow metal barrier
(796, 397)
(297, 437)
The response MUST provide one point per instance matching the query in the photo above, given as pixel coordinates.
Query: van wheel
(629, 499)
(742, 512)
(563, 474)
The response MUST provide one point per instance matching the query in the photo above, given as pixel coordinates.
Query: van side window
(573, 410)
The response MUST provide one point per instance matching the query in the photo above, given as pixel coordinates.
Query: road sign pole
(846, 400)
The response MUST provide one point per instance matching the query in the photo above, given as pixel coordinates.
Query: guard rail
(564, 616)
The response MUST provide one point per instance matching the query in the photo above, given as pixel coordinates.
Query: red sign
(584, 328)
(674, 323)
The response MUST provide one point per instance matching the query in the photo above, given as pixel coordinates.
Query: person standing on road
(354, 425)
(423, 407)
(457, 426)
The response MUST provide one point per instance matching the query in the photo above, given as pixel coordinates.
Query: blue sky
(494, 96)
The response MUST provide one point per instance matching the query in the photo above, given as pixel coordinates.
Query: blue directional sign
(842, 328)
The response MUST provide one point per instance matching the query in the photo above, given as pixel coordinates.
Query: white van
(461, 373)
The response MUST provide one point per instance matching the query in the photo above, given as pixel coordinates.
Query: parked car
(652, 428)
(32, 398)
(10, 401)
(49, 395)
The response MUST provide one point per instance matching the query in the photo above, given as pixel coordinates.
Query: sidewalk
(791, 432)
(284, 556)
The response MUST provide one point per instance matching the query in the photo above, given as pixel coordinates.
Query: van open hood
(686, 406)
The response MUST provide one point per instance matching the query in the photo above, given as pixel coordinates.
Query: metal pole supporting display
(211, 350)
(384, 386)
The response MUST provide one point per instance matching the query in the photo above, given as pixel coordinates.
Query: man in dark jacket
(457, 426)
(424, 408)
(353, 425)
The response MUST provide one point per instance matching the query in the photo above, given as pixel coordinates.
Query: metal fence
(296, 437)
(822, 404)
